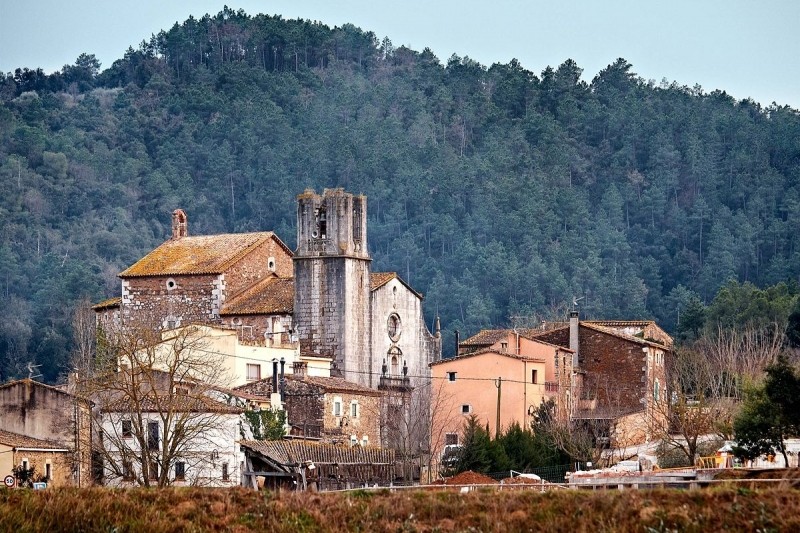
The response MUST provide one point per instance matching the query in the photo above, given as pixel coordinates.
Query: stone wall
(191, 299)
(417, 347)
(256, 265)
(43, 412)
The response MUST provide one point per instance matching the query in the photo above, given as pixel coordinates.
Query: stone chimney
(180, 227)
(574, 339)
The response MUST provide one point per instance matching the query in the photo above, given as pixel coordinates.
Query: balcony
(395, 383)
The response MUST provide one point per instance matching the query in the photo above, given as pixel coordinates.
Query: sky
(746, 48)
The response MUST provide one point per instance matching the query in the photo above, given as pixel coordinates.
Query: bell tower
(332, 281)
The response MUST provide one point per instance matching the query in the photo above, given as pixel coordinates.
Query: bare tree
(156, 416)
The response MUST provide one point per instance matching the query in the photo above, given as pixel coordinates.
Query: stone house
(330, 409)
(49, 414)
(499, 387)
(52, 462)
(620, 375)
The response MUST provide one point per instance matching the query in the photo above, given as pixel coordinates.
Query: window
(271, 264)
(503, 346)
(24, 464)
(393, 327)
(656, 390)
(451, 376)
(253, 372)
(171, 284)
(451, 439)
(127, 429)
(226, 476)
(181, 391)
(180, 471)
(364, 441)
(127, 470)
(354, 409)
(533, 376)
(466, 409)
(152, 436)
(337, 406)
(48, 471)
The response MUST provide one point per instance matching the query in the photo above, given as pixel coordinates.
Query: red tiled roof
(379, 279)
(205, 254)
(271, 295)
(291, 453)
(488, 351)
(108, 304)
(15, 440)
(178, 404)
(487, 337)
(608, 331)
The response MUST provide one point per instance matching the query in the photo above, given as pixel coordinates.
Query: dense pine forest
(497, 192)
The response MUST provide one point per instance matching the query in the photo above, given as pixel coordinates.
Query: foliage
(770, 414)
(26, 477)
(266, 424)
(481, 181)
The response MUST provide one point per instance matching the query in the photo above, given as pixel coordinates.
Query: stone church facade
(323, 296)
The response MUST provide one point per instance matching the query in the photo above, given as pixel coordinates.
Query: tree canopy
(495, 191)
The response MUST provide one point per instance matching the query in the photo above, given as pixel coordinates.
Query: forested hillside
(497, 192)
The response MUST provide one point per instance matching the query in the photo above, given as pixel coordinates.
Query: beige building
(498, 387)
(48, 414)
(51, 462)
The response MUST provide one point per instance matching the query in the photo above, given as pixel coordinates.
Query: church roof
(271, 295)
(16, 440)
(204, 254)
(379, 279)
(263, 387)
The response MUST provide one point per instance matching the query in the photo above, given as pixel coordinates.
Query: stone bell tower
(332, 282)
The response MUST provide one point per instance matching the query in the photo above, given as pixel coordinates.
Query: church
(322, 298)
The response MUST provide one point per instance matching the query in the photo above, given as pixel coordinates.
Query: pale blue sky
(747, 48)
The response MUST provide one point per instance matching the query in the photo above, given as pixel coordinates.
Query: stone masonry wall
(255, 266)
(192, 299)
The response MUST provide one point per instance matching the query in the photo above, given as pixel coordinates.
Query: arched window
(394, 356)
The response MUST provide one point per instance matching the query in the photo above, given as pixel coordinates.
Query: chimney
(456, 332)
(180, 228)
(574, 340)
(274, 376)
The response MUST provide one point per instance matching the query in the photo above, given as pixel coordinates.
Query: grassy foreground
(238, 510)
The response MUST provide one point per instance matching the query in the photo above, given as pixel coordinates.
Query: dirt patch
(519, 480)
(468, 478)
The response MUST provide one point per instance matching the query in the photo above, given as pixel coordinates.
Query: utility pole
(499, 385)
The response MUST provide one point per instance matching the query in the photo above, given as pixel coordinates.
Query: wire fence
(551, 474)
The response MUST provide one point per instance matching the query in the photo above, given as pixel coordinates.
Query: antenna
(575, 301)
(32, 371)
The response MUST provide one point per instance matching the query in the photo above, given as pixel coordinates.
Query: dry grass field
(239, 510)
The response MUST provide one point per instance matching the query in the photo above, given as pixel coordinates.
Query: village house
(51, 462)
(557, 379)
(330, 409)
(620, 376)
(499, 387)
(48, 428)
(159, 428)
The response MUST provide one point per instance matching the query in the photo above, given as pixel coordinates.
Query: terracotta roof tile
(271, 295)
(206, 254)
(487, 337)
(179, 404)
(15, 440)
(291, 453)
(379, 279)
(263, 387)
(108, 304)
(488, 351)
